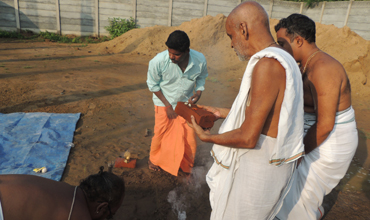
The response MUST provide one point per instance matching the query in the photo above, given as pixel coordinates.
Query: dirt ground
(106, 83)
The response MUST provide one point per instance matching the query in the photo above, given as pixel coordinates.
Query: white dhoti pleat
(255, 188)
(321, 170)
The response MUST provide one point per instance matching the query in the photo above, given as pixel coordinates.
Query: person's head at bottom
(104, 193)
(178, 44)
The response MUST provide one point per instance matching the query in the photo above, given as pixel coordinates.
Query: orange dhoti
(173, 145)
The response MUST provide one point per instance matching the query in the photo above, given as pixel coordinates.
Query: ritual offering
(123, 163)
(204, 118)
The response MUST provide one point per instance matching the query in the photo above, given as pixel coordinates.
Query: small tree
(119, 26)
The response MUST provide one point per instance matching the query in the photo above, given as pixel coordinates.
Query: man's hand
(202, 134)
(214, 110)
(194, 99)
(171, 114)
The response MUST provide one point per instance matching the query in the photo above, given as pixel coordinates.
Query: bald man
(260, 140)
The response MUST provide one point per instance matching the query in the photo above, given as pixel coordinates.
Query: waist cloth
(322, 169)
(256, 189)
(173, 144)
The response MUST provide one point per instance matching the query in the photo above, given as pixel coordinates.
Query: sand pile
(208, 36)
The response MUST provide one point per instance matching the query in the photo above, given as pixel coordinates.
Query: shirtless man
(262, 135)
(31, 197)
(331, 135)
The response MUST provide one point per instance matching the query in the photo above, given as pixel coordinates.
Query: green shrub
(10, 34)
(64, 39)
(55, 37)
(119, 26)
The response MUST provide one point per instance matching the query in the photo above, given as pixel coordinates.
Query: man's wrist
(169, 106)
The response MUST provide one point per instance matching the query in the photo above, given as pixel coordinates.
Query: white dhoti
(256, 187)
(1, 212)
(322, 169)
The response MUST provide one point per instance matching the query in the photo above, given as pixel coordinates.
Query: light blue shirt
(175, 85)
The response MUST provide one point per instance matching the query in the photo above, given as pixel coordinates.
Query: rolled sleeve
(154, 76)
(201, 79)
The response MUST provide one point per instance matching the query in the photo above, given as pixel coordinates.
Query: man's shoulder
(269, 66)
(273, 57)
(160, 58)
(161, 55)
(275, 53)
(326, 64)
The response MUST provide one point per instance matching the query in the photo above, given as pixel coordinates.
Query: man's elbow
(248, 143)
(325, 128)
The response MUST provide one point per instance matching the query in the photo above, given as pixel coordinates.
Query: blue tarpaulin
(34, 140)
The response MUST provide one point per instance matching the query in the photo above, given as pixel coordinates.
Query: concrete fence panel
(116, 9)
(90, 17)
(36, 15)
(186, 9)
(154, 12)
(314, 13)
(216, 7)
(7, 15)
(284, 9)
(77, 17)
(359, 20)
(332, 12)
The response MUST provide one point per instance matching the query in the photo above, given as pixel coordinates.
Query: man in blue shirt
(176, 74)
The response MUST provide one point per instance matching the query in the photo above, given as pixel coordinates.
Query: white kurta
(250, 184)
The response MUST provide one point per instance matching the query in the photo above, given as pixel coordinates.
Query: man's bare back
(28, 194)
(336, 78)
(37, 198)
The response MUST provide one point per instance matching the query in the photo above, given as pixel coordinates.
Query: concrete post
(270, 10)
(170, 13)
(322, 11)
(57, 12)
(97, 18)
(348, 12)
(205, 7)
(16, 11)
(135, 9)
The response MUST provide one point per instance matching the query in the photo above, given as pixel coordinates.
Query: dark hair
(297, 24)
(103, 186)
(178, 40)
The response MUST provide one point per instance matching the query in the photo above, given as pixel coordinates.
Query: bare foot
(153, 167)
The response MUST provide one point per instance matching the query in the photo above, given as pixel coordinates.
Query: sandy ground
(106, 83)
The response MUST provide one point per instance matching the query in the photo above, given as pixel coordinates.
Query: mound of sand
(208, 36)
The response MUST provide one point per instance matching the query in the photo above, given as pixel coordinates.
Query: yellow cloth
(173, 145)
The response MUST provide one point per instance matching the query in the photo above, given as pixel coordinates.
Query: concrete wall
(89, 17)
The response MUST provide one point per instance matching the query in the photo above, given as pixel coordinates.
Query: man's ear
(299, 40)
(101, 207)
(243, 28)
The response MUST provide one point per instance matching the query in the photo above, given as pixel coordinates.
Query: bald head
(252, 13)
(248, 27)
